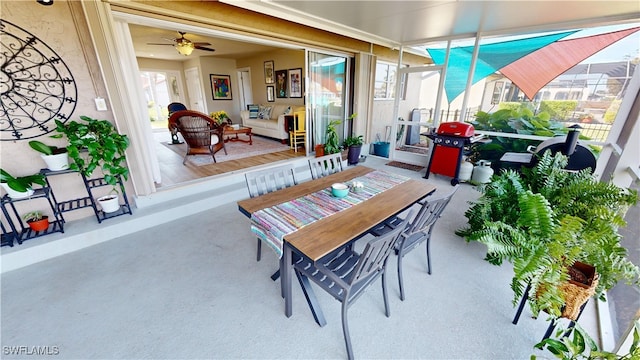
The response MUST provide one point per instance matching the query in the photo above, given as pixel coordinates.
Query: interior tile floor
(191, 288)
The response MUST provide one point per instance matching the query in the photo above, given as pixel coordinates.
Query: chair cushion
(253, 111)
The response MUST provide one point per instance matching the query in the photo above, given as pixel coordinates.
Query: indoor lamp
(184, 47)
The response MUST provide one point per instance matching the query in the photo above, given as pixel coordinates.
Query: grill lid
(456, 129)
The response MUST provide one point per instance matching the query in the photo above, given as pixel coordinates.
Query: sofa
(268, 120)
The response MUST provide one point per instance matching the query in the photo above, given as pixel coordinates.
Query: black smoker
(580, 157)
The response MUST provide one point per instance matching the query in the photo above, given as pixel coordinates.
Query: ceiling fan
(185, 46)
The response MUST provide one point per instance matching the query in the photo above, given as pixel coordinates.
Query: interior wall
(283, 59)
(217, 66)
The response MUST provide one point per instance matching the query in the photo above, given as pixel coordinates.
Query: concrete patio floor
(191, 288)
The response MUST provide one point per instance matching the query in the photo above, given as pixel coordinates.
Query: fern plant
(546, 219)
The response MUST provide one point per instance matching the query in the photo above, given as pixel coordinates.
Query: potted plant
(546, 219)
(332, 145)
(56, 158)
(354, 144)
(22, 186)
(36, 220)
(96, 144)
(220, 117)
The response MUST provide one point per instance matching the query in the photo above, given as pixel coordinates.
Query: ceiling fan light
(185, 48)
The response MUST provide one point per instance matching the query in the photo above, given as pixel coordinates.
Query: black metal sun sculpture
(36, 86)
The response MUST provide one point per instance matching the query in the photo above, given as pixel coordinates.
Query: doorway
(329, 82)
(160, 89)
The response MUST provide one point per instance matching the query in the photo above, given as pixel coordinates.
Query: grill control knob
(447, 141)
(455, 142)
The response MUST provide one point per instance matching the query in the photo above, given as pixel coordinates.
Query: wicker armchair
(201, 133)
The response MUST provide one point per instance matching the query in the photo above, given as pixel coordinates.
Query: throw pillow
(253, 111)
(265, 112)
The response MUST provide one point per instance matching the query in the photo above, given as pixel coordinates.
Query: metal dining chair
(418, 231)
(346, 275)
(325, 165)
(261, 182)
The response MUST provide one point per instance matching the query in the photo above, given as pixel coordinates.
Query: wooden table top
(328, 234)
(249, 206)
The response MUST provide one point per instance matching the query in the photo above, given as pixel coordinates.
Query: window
(385, 83)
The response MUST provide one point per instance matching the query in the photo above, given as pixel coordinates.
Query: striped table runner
(274, 223)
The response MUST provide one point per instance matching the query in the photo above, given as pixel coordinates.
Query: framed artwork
(221, 87)
(295, 83)
(268, 72)
(281, 83)
(271, 94)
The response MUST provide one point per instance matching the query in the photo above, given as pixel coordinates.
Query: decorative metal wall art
(36, 86)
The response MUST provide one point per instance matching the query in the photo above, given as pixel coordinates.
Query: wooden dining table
(330, 233)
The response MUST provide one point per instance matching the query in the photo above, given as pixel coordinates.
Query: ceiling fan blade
(204, 48)
(201, 43)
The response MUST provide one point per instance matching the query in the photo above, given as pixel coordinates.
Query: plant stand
(19, 230)
(89, 201)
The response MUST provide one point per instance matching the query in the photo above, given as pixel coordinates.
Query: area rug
(402, 165)
(235, 150)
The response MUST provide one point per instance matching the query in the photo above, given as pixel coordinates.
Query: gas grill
(449, 143)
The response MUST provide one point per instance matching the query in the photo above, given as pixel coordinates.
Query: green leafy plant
(46, 149)
(353, 141)
(33, 216)
(544, 220)
(21, 183)
(581, 346)
(332, 145)
(518, 120)
(103, 146)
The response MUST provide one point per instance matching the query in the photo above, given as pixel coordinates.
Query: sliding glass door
(327, 95)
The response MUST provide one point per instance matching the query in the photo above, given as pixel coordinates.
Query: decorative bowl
(339, 190)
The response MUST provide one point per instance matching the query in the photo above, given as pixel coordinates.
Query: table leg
(285, 276)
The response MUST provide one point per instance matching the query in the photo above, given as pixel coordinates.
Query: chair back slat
(429, 213)
(268, 180)
(325, 165)
(377, 251)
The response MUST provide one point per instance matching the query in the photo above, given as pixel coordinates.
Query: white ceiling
(392, 23)
(414, 22)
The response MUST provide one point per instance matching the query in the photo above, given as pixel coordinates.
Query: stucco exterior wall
(62, 27)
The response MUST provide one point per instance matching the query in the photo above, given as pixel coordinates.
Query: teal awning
(491, 58)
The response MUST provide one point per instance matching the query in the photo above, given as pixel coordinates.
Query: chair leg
(184, 161)
(312, 301)
(429, 255)
(400, 282)
(385, 296)
(259, 250)
(345, 329)
(523, 301)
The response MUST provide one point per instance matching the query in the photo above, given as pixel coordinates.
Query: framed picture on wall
(269, 77)
(295, 83)
(271, 94)
(281, 83)
(220, 87)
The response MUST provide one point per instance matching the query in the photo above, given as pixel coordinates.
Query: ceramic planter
(56, 162)
(109, 203)
(319, 150)
(39, 225)
(354, 154)
(16, 194)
